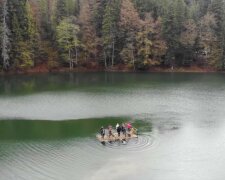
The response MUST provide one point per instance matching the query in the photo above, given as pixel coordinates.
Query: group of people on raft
(123, 128)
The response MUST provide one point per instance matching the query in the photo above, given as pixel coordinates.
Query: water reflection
(28, 84)
(52, 130)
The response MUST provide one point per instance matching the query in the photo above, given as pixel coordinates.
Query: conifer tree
(170, 33)
(217, 7)
(5, 41)
(99, 10)
(89, 38)
(110, 29)
(61, 10)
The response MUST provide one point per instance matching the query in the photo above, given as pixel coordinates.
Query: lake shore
(117, 68)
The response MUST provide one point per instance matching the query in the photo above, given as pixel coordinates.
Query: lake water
(48, 125)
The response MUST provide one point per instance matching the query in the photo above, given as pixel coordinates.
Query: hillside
(132, 34)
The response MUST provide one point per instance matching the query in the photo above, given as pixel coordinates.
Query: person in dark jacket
(118, 129)
(102, 132)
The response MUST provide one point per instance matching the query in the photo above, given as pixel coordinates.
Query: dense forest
(136, 34)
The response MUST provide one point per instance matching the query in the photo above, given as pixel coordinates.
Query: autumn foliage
(137, 34)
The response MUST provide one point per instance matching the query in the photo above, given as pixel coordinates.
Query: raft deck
(115, 137)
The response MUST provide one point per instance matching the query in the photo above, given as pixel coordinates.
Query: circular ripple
(42, 158)
(143, 142)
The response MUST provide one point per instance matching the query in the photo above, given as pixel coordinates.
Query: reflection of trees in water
(103, 82)
(163, 122)
(167, 126)
(22, 84)
(167, 121)
(143, 126)
(7, 87)
(28, 86)
(55, 130)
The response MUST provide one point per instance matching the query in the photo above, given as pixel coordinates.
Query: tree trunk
(113, 53)
(70, 60)
(105, 60)
(76, 56)
(5, 37)
(133, 59)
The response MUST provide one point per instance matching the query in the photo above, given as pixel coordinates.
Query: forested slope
(139, 34)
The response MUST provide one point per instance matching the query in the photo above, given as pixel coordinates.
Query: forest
(134, 34)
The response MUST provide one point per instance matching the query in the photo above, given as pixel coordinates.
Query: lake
(49, 122)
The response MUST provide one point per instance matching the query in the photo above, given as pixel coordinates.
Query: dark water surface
(49, 122)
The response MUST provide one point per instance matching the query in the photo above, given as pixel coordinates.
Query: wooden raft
(115, 137)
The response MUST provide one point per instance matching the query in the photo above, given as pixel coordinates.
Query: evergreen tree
(24, 35)
(5, 41)
(180, 15)
(217, 7)
(110, 29)
(173, 26)
(66, 8)
(99, 10)
(47, 19)
(170, 33)
(89, 38)
(61, 10)
(203, 7)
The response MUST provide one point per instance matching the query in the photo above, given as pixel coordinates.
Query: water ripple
(59, 159)
(143, 142)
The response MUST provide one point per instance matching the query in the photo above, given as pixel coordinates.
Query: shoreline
(116, 68)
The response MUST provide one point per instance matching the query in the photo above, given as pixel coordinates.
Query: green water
(54, 130)
(49, 123)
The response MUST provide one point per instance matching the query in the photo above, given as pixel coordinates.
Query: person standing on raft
(129, 127)
(118, 129)
(110, 131)
(102, 132)
(123, 129)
